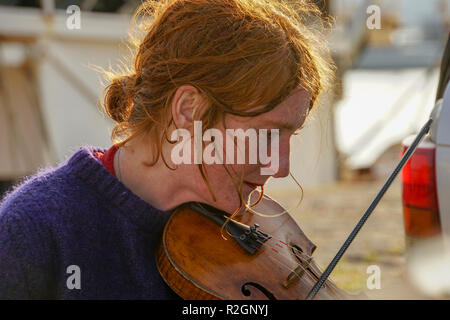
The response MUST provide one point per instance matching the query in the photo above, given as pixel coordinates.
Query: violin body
(198, 263)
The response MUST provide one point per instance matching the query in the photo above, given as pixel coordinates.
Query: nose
(284, 161)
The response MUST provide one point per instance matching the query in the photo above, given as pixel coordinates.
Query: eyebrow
(287, 126)
(283, 125)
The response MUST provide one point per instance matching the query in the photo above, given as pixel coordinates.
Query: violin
(258, 257)
(266, 258)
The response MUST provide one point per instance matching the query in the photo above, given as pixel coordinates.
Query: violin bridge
(297, 273)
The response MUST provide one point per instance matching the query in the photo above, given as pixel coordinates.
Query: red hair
(238, 53)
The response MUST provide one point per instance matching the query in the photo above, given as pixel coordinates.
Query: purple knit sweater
(76, 232)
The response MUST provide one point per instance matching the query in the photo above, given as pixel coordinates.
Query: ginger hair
(239, 54)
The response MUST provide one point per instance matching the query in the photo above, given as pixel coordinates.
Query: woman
(89, 228)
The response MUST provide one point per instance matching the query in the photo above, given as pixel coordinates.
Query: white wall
(73, 117)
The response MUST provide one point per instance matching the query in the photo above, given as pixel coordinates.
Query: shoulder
(26, 245)
(52, 190)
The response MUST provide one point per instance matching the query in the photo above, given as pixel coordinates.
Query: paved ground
(328, 215)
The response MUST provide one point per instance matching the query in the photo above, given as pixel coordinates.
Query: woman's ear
(186, 105)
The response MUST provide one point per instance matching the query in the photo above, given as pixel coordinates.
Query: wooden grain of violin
(264, 258)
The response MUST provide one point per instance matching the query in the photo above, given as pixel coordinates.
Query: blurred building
(390, 90)
(49, 92)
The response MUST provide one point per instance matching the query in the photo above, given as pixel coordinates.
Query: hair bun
(117, 100)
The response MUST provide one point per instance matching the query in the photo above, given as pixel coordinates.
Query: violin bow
(372, 206)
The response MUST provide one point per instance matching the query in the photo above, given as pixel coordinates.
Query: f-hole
(246, 292)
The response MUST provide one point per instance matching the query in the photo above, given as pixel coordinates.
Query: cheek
(219, 176)
(224, 186)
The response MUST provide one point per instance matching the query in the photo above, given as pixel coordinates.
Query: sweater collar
(90, 170)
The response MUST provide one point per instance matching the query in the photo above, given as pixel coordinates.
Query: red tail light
(420, 201)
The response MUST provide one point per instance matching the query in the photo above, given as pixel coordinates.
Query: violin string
(285, 266)
(314, 279)
(291, 269)
(311, 277)
(291, 247)
(274, 238)
(276, 251)
(299, 264)
(272, 249)
(294, 249)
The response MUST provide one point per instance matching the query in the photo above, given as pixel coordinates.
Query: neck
(157, 184)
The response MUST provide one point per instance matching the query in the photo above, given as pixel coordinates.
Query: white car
(426, 176)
